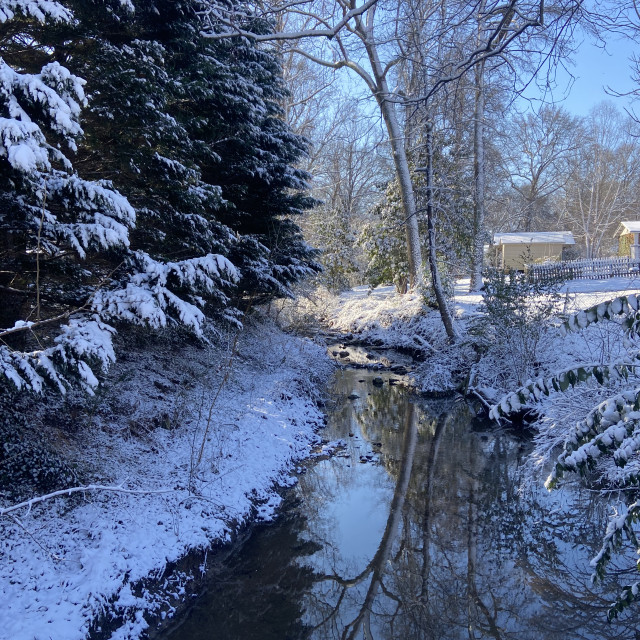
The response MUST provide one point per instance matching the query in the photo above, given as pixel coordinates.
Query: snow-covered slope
(191, 443)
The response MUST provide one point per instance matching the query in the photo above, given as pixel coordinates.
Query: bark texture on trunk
(401, 165)
(477, 257)
(441, 299)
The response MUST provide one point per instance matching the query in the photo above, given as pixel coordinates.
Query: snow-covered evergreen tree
(52, 219)
(241, 83)
(337, 241)
(187, 128)
(382, 240)
(200, 147)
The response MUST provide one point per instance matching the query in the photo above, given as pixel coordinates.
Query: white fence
(594, 269)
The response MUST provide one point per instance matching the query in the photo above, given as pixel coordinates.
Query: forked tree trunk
(401, 164)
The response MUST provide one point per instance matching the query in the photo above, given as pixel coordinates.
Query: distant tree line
(500, 162)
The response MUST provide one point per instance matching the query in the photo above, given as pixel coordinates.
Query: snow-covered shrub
(601, 442)
(305, 312)
(513, 321)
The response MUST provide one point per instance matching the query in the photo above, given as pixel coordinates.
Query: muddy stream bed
(418, 527)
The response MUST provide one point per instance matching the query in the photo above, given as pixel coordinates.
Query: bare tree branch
(28, 504)
(235, 30)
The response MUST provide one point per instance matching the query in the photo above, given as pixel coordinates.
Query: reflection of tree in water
(555, 557)
(463, 553)
(337, 614)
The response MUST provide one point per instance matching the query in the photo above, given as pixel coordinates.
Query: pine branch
(30, 326)
(561, 382)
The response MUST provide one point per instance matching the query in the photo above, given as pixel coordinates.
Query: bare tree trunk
(427, 524)
(401, 164)
(477, 256)
(441, 299)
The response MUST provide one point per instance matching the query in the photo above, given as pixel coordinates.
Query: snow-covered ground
(365, 311)
(385, 318)
(584, 293)
(192, 443)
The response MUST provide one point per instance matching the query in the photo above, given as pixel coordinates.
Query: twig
(215, 399)
(234, 351)
(44, 210)
(53, 556)
(29, 326)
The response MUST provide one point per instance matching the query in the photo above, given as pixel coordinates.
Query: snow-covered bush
(513, 321)
(601, 442)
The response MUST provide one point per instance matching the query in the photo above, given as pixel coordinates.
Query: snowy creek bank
(181, 449)
(196, 576)
(420, 525)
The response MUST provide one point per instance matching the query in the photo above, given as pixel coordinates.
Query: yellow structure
(515, 250)
(629, 239)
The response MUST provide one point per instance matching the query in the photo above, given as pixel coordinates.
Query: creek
(423, 526)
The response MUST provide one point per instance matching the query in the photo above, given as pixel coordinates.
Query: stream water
(419, 528)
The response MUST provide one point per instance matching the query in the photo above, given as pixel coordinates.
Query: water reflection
(420, 529)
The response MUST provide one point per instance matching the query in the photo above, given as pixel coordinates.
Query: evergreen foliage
(383, 241)
(339, 256)
(146, 176)
(383, 236)
(27, 462)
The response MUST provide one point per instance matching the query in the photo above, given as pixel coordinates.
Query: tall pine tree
(60, 234)
(205, 158)
(189, 131)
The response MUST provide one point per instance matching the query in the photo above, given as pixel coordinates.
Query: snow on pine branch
(101, 216)
(609, 310)
(148, 298)
(534, 390)
(40, 10)
(84, 343)
(611, 427)
(55, 92)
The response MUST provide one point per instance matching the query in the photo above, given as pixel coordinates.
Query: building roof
(630, 226)
(535, 237)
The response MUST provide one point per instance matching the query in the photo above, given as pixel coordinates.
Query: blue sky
(595, 69)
